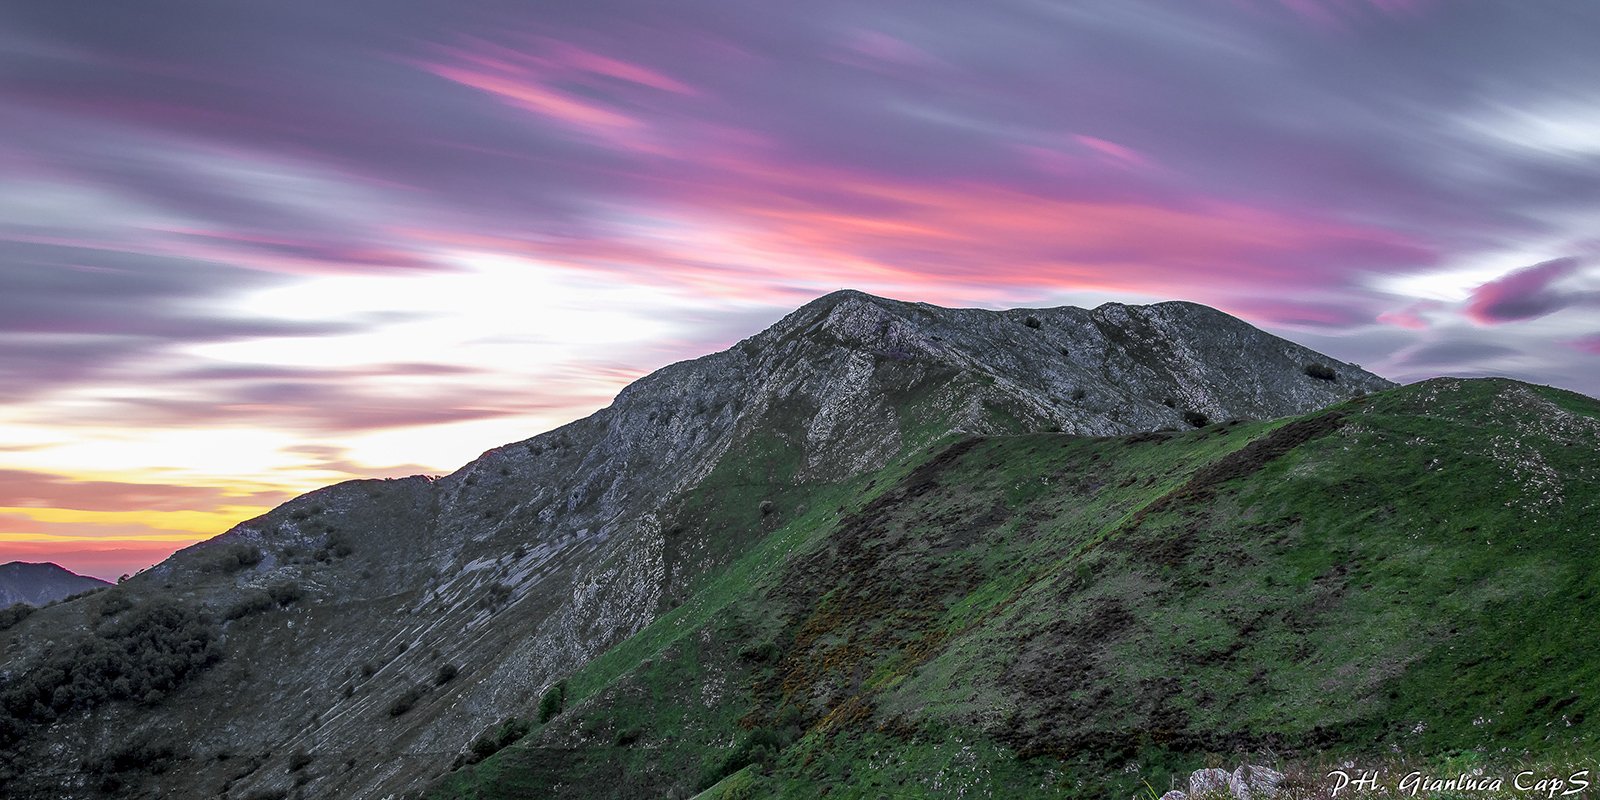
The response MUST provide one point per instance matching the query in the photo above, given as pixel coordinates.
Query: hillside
(356, 640)
(1054, 615)
(38, 584)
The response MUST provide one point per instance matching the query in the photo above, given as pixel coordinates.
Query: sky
(250, 249)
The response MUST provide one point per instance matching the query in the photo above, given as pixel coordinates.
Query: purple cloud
(1527, 293)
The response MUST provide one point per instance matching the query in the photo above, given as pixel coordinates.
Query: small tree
(553, 702)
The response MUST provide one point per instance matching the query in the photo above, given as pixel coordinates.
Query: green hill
(1410, 572)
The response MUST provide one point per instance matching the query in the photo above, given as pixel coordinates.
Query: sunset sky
(252, 248)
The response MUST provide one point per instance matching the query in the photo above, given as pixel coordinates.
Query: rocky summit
(956, 552)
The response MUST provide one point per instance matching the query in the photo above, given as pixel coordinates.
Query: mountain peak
(42, 582)
(593, 530)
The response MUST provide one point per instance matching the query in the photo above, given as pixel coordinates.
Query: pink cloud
(542, 78)
(746, 227)
(1116, 152)
(883, 48)
(1411, 317)
(1588, 344)
(1527, 293)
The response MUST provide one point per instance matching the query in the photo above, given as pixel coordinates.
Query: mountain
(38, 584)
(1046, 615)
(355, 641)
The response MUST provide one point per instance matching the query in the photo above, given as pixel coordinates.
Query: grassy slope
(1034, 615)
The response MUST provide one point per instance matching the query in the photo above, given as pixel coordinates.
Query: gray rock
(1210, 782)
(1250, 782)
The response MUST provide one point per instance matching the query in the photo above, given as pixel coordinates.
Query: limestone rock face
(537, 556)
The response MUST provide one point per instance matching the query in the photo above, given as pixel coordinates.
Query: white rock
(1213, 780)
(1250, 782)
(1174, 795)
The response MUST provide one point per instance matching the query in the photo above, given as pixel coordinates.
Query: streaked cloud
(254, 248)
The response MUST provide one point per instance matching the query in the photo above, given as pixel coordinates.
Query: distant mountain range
(38, 584)
(1037, 552)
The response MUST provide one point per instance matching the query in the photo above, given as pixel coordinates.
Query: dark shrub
(763, 653)
(495, 595)
(152, 759)
(497, 738)
(553, 702)
(761, 746)
(299, 761)
(446, 674)
(1196, 419)
(113, 603)
(1079, 394)
(1321, 372)
(15, 614)
(285, 593)
(254, 602)
(404, 702)
(340, 545)
(237, 556)
(1032, 322)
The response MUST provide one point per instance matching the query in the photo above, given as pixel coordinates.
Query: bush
(553, 702)
(152, 759)
(285, 593)
(113, 603)
(12, 615)
(337, 545)
(761, 746)
(497, 738)
(446, 674)
(1032, 322)
(299, 761)
(1196, 419)
(764, 653)
(404, 702)
(254, 602)
(237, 556)
(1321, 372)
